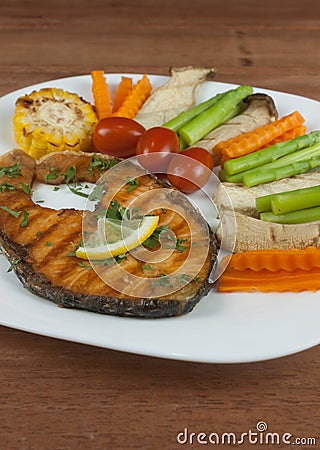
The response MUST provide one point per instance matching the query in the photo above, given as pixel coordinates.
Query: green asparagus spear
(263, 203)
(298, 162)
(301, 216)
(253, 177)
(224, 176)
(185, 117)
(183, 144)
(271, 153)
(210, 119)
(276, 173)
(294, 200)
(308, 157)
(267, 174)
(236, 178)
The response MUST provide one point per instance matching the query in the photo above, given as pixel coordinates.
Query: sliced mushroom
(253, 233)
(260, 110)
(175, 96)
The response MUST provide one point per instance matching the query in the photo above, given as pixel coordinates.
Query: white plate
(223, 328)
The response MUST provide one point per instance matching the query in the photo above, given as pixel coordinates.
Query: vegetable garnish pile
(256, 149)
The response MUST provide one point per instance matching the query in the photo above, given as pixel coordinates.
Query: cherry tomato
(156, 147)
(117, 136)
(190, 169)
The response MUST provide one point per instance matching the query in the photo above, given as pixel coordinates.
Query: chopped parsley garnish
(15, 214)
(163, 280)
(48, 243)
(110, 261)
(52, 175)
(11, 171)
(118, 212)
(184, 278)
(120, 258)
(14, 263)
(147, 267)
(84, 265)
(115, 210)
(154, 239)
(77, 191)
(172, 281)
(25, 218)
(132, 214)
(73, 252)
(8, 186)
(101, 164)
(26, 188)
(69, 175)
(132, 184)
(181, 248)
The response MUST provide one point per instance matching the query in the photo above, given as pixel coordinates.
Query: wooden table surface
(62, 395)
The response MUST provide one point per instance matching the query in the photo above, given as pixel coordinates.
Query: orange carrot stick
(300, 130)
(266, 281)
(256, 139)
(123, 90)
(276, 259)
(101, 94)
(133, 102)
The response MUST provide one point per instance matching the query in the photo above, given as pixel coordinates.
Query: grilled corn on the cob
(51, 120)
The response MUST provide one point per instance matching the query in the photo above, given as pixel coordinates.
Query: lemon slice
(116, 237)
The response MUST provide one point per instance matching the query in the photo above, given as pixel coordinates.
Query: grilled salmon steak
(40, 242)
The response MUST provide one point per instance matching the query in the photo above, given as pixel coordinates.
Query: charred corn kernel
(52, 120)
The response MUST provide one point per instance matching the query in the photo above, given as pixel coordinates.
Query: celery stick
(223, 175)
(301, 216)
(185, 117)
(300, 161)
(183, 144)
(263, 203)
(236, 178)
(271, 153)
(276, 173)
(267, 175)
(298, 199)
(283, 202)
(210, 119)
